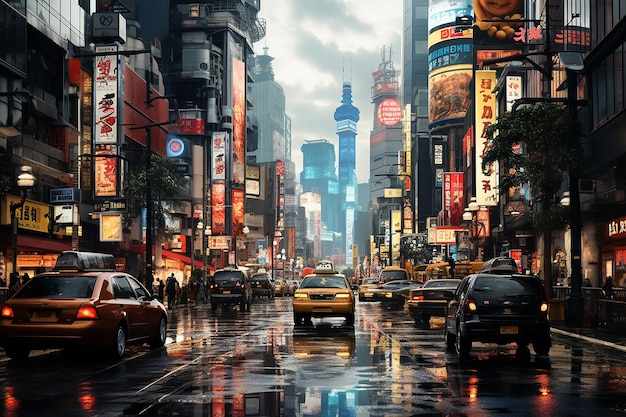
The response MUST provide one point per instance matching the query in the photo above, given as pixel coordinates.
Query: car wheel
(463, 344)
(297, 319)
(213, 307)
(119, 347)
(350, 320)
(159, 338)
(17, 352)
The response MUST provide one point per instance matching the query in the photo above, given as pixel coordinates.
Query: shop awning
(172, 255)
(43, 244)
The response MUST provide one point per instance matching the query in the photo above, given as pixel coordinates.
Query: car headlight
(301, 295)
(342, 295)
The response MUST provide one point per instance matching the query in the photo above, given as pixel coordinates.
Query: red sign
(389, 112)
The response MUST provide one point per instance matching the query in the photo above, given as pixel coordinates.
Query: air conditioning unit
(587, 186)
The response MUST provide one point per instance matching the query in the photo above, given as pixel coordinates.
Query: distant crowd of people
(179, 295)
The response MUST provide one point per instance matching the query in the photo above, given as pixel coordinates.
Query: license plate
(226, 292)
(508, 329)
(322, 310)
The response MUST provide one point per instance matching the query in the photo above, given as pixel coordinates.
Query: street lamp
(205, 242)
(245, 231)
(194, 227)
(25, 181)
(470, 215)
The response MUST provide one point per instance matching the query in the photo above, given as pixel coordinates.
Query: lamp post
(470, 215)
(206, 236)
(245, 231)
(25, 181)
(194, 227)
(283, 258)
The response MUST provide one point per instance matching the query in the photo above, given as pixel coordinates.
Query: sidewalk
(612, 336)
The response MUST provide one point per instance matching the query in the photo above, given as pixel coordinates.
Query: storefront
(613, 251)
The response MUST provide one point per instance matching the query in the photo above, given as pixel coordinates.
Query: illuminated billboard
(486, 178)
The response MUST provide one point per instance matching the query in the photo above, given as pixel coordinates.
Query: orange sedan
(83, 303)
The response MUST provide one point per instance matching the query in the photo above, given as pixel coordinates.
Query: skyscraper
(347, 117)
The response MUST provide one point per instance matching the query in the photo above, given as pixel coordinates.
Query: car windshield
(442, 283)
(260, 278)
(58, 287)
(507, 286)
(323, 282)
(393, 275)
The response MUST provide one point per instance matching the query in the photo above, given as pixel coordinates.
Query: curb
(589, 339)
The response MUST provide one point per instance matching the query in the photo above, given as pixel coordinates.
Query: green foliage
(166, 183)
(539, 146)
(415, 247)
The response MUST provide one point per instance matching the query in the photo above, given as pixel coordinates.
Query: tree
(537, 145)
(415, 248)
(166, 187)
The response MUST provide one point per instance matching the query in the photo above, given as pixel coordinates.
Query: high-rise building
(415, 94)
(319, 176)
(347, 116)
(386, 143)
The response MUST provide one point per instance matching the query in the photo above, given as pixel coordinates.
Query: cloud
(319, 44)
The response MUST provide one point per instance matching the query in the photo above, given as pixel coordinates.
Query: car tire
(159, 339)
(213, 307)
(463, 344)
(297, 319)
(350, 320)
(17, 352)
(119, 347)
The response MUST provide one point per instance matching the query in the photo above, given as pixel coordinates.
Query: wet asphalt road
(232, 363)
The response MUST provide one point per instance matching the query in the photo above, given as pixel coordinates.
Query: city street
(230, 363)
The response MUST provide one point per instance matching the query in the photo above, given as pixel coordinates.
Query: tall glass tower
(347, 117)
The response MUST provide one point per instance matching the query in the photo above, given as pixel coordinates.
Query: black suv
(498, 308)
(229, 286)
(262, 285)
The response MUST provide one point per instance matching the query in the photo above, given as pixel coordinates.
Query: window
(121, 288)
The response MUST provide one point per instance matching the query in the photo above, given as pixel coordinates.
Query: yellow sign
(32, 215)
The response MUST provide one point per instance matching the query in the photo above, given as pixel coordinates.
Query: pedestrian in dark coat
(170, 289)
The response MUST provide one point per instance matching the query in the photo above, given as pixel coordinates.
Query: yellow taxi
(84, 302)
(325, 293)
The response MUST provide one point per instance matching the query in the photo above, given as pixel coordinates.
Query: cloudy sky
(316, 45)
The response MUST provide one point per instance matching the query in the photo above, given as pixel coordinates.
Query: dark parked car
(498, 308)
(230, 286)
(262, 285)
(393, 293)
(85, 304)
(431, 299)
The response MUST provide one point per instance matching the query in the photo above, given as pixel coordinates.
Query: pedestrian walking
(200, 294)
(608, 288)
(161, 289)
(170, 289)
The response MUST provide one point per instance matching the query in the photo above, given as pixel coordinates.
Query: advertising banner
(239, 122)
(486, 112)
(106, 96)
(218, 151)
(218, 209)
(105, 171)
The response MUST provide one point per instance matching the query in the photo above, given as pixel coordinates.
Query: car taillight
(7, 312)
(543, 308)
(87, 312)
(418, 297)
(469, 306)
